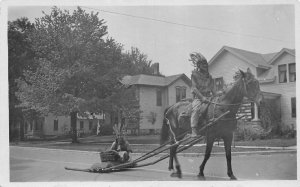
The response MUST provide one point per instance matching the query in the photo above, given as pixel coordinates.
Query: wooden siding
(64, 125)
(287, 90)
(226, 65)
(147, 98)
(172, 91)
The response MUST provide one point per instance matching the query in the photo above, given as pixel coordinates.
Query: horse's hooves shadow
(178, 175)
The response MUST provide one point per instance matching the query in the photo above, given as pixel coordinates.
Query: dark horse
(245, 86)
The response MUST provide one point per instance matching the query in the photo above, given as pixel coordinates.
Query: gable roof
(284, 50)
(153, 80)
(263, 61)
(255, 59)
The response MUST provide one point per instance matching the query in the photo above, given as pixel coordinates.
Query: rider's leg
(196, 112)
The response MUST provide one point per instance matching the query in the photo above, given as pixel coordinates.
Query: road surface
(45, 165)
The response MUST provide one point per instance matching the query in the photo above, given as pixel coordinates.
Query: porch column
(255, 113)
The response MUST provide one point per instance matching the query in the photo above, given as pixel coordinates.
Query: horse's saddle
(184, 114)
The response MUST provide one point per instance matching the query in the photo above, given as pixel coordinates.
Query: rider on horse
(202, 87)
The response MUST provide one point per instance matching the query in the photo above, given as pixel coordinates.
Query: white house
(52, 125)
(155, 93)
(276, 73)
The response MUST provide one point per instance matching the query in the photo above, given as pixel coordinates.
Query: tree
(78, 69)
(20, 58)
(75, 65)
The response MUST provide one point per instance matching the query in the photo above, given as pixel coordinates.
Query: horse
(174, 124)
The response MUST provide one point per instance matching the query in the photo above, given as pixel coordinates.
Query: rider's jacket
(203, 82)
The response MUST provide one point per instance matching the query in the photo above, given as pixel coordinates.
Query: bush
(106, 130)
(288, 131)
(249, 132)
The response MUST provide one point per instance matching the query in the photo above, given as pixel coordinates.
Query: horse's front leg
(227, 145)
(209, 145)
(171, 167)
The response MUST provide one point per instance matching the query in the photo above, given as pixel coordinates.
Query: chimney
(155, 68)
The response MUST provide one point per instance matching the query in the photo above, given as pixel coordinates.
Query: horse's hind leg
(227, 145)
(209, 145)
(178, 172)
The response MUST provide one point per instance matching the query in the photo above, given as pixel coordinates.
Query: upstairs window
(158, 97)
(292, 72)
(55, 127)
(219, 83)
(282, 73)
(180, 93)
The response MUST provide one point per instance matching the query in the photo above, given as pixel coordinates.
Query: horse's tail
(165, 130)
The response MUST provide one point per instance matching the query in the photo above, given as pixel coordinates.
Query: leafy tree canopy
(79, 67)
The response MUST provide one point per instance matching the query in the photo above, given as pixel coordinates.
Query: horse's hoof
(175, 174)
(232, 177)
(201, 177)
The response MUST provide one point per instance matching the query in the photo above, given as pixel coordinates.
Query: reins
(223, 104)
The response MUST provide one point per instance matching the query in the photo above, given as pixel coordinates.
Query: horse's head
(251, 87)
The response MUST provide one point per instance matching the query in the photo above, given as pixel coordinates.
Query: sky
(168, 34)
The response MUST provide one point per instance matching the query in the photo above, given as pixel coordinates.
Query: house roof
(153, 80)
(263, 61)
(284, 50)
(255, 59)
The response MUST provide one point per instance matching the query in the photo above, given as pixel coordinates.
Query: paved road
(38, 164)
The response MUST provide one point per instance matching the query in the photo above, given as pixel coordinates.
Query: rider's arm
(113, 146)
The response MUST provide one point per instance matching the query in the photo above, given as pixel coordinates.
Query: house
(276, 73)
(52, 125)
(155, 93)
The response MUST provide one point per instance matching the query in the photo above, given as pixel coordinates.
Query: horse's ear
(242, 73)
(249, 70)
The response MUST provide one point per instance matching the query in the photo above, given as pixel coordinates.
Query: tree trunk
(22, 129)
(74, 126)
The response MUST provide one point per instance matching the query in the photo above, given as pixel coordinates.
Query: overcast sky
(168, 34)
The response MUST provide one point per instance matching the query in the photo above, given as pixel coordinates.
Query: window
(180, 93)
(293, 105)
(81, 124)
(219, 83)
(158, 97)
(90, 125)
(55, 128)
(282, 73)
(292, 72)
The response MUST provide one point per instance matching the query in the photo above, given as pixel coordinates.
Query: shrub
(249, 132)
(270, 117)
(106, 130)
(287, 131)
